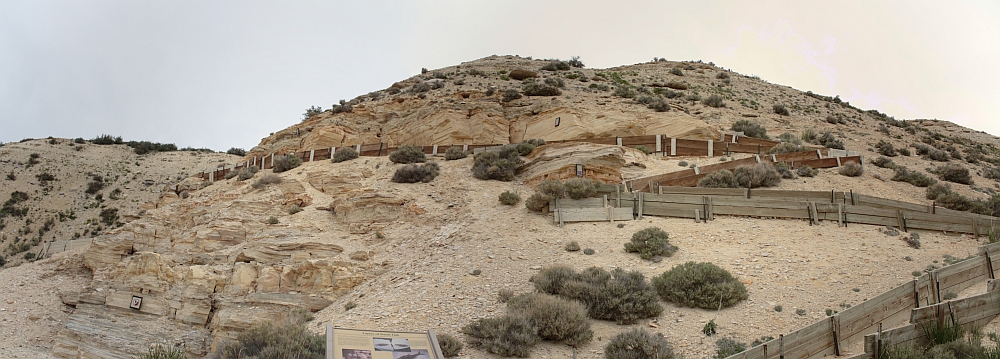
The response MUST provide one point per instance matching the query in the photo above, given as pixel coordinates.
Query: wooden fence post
(711, 149)
(835, 329)
(900, 221)
(312, 155)
(673, 146)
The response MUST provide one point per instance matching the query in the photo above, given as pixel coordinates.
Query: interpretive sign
(380, 344)
(136, 302)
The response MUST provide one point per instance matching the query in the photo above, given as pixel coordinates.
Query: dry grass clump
(638, 343)
(624, 297)
(760, 175)
(700, 285)
(413, 173)
(265, 180)
(719, 179)
(408, 154)
(455, 153)
(158, 351)
(344, 154)
(651, 242)
(852, 170)
(286, 162)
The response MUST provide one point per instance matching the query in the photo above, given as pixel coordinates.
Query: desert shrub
(578, 188)
(638, 343)
(551, 188)
(938, 155)
(237, 151)
(837, 119)
(790, 138)
(624, 297)
(522, 74)
(642, 148)
(537, 202)
(955, 201)
(656, 103)
(886, 149)
(692, 97)
(509, 198)
(800, 312)
(784, 147)
(806, 171)
(957, 349)
(265, 180)
(719, 179)
(884, 162)
(953, 173)
(829, 141)
(408, 154)
(677, 85)
(511, 95)
(701, 285)
(676, 71)
(937, 190)
(722, 76)
(750, 129)
(550, 279)
(903, 151)
(572, 246)
(504, 295)
(158, 351)
(344, 154)
(941, 332)
(506, 336)
(496, 165)
(780, 109)
(455, 153)
(348, 107)
(294, 209)
(726, 347)
(682, 163)
(624, 91)
(95, 185)
(714, 101)
(760, 175)
(230, 174)
(650, 242)
(533, 88)
(413, 173)
(556, 65)
(286, 162)
(450, 346)
(276, 341)
(524, 148)
(246, 173)
(555, 318)
(916, 178)
(784, 171)
(851, 170)
(762, 340)
(555, 82)
(589, 251)
(109, 216)
(809, 135)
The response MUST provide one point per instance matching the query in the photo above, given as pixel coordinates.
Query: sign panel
(378, 344)
(136, 302)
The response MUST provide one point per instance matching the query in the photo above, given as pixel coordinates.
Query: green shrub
(829, 141)
(294, 209)
(286, 162)
(273, 341)
(160, 352)
(719, 179)
(413, 173)
(955, 201)
(650, 242)
(272, 220)
(941, 332)
(760, 175)
(231, 174)
(95, 185)
(265, 180)
(344, 154)
(534, 88)
(643, 148)
(714, 101)
(496, 165)
(639, 344)
(790, 138)
(504, 336)
(916, 178)
(589, 251)
(572, 246)
(655, 103)
(726, 347)
(937, 190)
(450, 346)
(246, 173)
(809, 135)
(851, 170)
(237, 151)
(624, 297)
(109, 216)
(783, 170)
(509, 198)
(992, 173)
(710, 328)
(806, 171)
(551, 188)
(624, 91)
(455, 153)
(578, 188)
(778, 308)
(884, 162)
(556, 319)
(701, 285)
(408, 154)
(556, 65)
(953, 173)
(780, 110)
(886, 149)
(511, 95)
(750, 129)
(537, 202)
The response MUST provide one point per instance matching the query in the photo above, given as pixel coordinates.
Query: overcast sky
(222, 74)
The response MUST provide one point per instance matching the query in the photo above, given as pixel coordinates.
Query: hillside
(231, 253)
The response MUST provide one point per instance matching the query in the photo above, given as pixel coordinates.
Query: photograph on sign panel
(383, 344)
(412, 354)
(357, 354)
(400, 344)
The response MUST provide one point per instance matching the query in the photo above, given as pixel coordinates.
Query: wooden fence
(659, 144)
(845, 208)
(911, 305)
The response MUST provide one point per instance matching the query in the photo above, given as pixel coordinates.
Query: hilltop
(329, 236)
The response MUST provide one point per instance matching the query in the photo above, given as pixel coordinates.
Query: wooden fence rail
(916, 302)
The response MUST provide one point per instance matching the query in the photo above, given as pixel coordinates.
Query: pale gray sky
(223, 74)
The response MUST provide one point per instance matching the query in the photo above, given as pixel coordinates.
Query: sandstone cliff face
(466, 109)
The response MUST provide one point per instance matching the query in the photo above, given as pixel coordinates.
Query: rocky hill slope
(343, 241)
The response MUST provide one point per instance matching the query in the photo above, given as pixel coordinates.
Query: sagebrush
(651, 242)
(701, 285)
(638, 343)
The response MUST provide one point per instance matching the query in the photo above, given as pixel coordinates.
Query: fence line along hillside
(905, 308)
(657, 144)
(845, 208)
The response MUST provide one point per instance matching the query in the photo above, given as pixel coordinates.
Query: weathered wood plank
(717, 192)
(592, 214)
(578, 203)
(937, 226)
